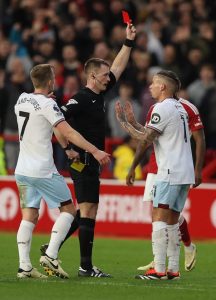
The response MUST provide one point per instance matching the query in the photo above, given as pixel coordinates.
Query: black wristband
(129, 43)
(68, 147)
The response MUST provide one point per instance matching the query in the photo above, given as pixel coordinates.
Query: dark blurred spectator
(103, 51)
(59, 72)
(197, 89)
(192, 66)
(136, 73)
(70, 87)
(170, 59)
(71, 63)
(142, 43)
(3, 100)
(45, 51)
(208, 115)
(18, 82)
(5, 50)
(207, 40)
(125, 94)
(63, 95)
(117, 37)
(146, 99)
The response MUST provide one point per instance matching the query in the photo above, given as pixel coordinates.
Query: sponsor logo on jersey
(56, 108)
(155, 118)
(72, 101)
(93, 101)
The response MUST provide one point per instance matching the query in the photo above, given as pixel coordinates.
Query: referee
(87, 114)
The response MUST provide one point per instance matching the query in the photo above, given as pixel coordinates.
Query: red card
(126, 17)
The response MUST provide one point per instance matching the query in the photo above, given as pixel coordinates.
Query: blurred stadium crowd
(178, 35)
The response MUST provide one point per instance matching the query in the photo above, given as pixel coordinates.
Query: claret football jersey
(36, 116)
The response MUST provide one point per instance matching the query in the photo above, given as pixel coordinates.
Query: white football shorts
(53, 190)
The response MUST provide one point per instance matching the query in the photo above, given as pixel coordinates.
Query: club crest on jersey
(72, 101)
(155, 118)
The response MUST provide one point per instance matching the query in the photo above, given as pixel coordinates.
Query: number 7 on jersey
(26, 116)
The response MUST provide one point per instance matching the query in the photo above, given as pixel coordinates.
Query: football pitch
(120, 257)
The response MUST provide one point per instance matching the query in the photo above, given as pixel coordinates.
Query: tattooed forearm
(139, 127)
(147, 135)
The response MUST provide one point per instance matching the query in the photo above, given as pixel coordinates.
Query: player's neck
(44, 92)
(164, 97)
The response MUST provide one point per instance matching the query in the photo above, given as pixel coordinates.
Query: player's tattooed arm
(146, 136)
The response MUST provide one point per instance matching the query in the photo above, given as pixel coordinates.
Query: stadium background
(171, 34)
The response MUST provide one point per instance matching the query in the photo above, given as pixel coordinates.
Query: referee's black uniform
(85, 112)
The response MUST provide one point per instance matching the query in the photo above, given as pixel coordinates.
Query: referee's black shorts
(86, 183)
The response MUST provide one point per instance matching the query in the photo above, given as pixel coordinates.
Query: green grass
(120, 257)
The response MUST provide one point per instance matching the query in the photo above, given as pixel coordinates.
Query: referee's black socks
(86, 239)
(73, 228)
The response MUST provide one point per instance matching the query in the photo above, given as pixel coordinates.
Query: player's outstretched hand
(129, 113)
(102, 157)
(119, 112)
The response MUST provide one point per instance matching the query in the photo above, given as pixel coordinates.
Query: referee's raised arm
(121, 60)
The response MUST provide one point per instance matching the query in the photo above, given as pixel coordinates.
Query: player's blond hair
(40, 75)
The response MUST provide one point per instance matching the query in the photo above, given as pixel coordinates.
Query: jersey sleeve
(111, 83)
(195, 122)
(148, 117)
(72, 107)
(159, 118)
(53, 113)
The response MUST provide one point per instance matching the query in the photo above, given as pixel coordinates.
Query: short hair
(94, 63)
(207, 66)
(172, 78)
(41, 74)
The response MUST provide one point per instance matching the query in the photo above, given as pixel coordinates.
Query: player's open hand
(129, 113)
(119, 112)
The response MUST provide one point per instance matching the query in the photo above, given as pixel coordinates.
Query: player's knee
(67, 206)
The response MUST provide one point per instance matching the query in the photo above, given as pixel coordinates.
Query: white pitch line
(171, 286)
(190, 287)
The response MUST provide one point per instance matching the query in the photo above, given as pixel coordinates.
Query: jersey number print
(184, 126)
(26, 116)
